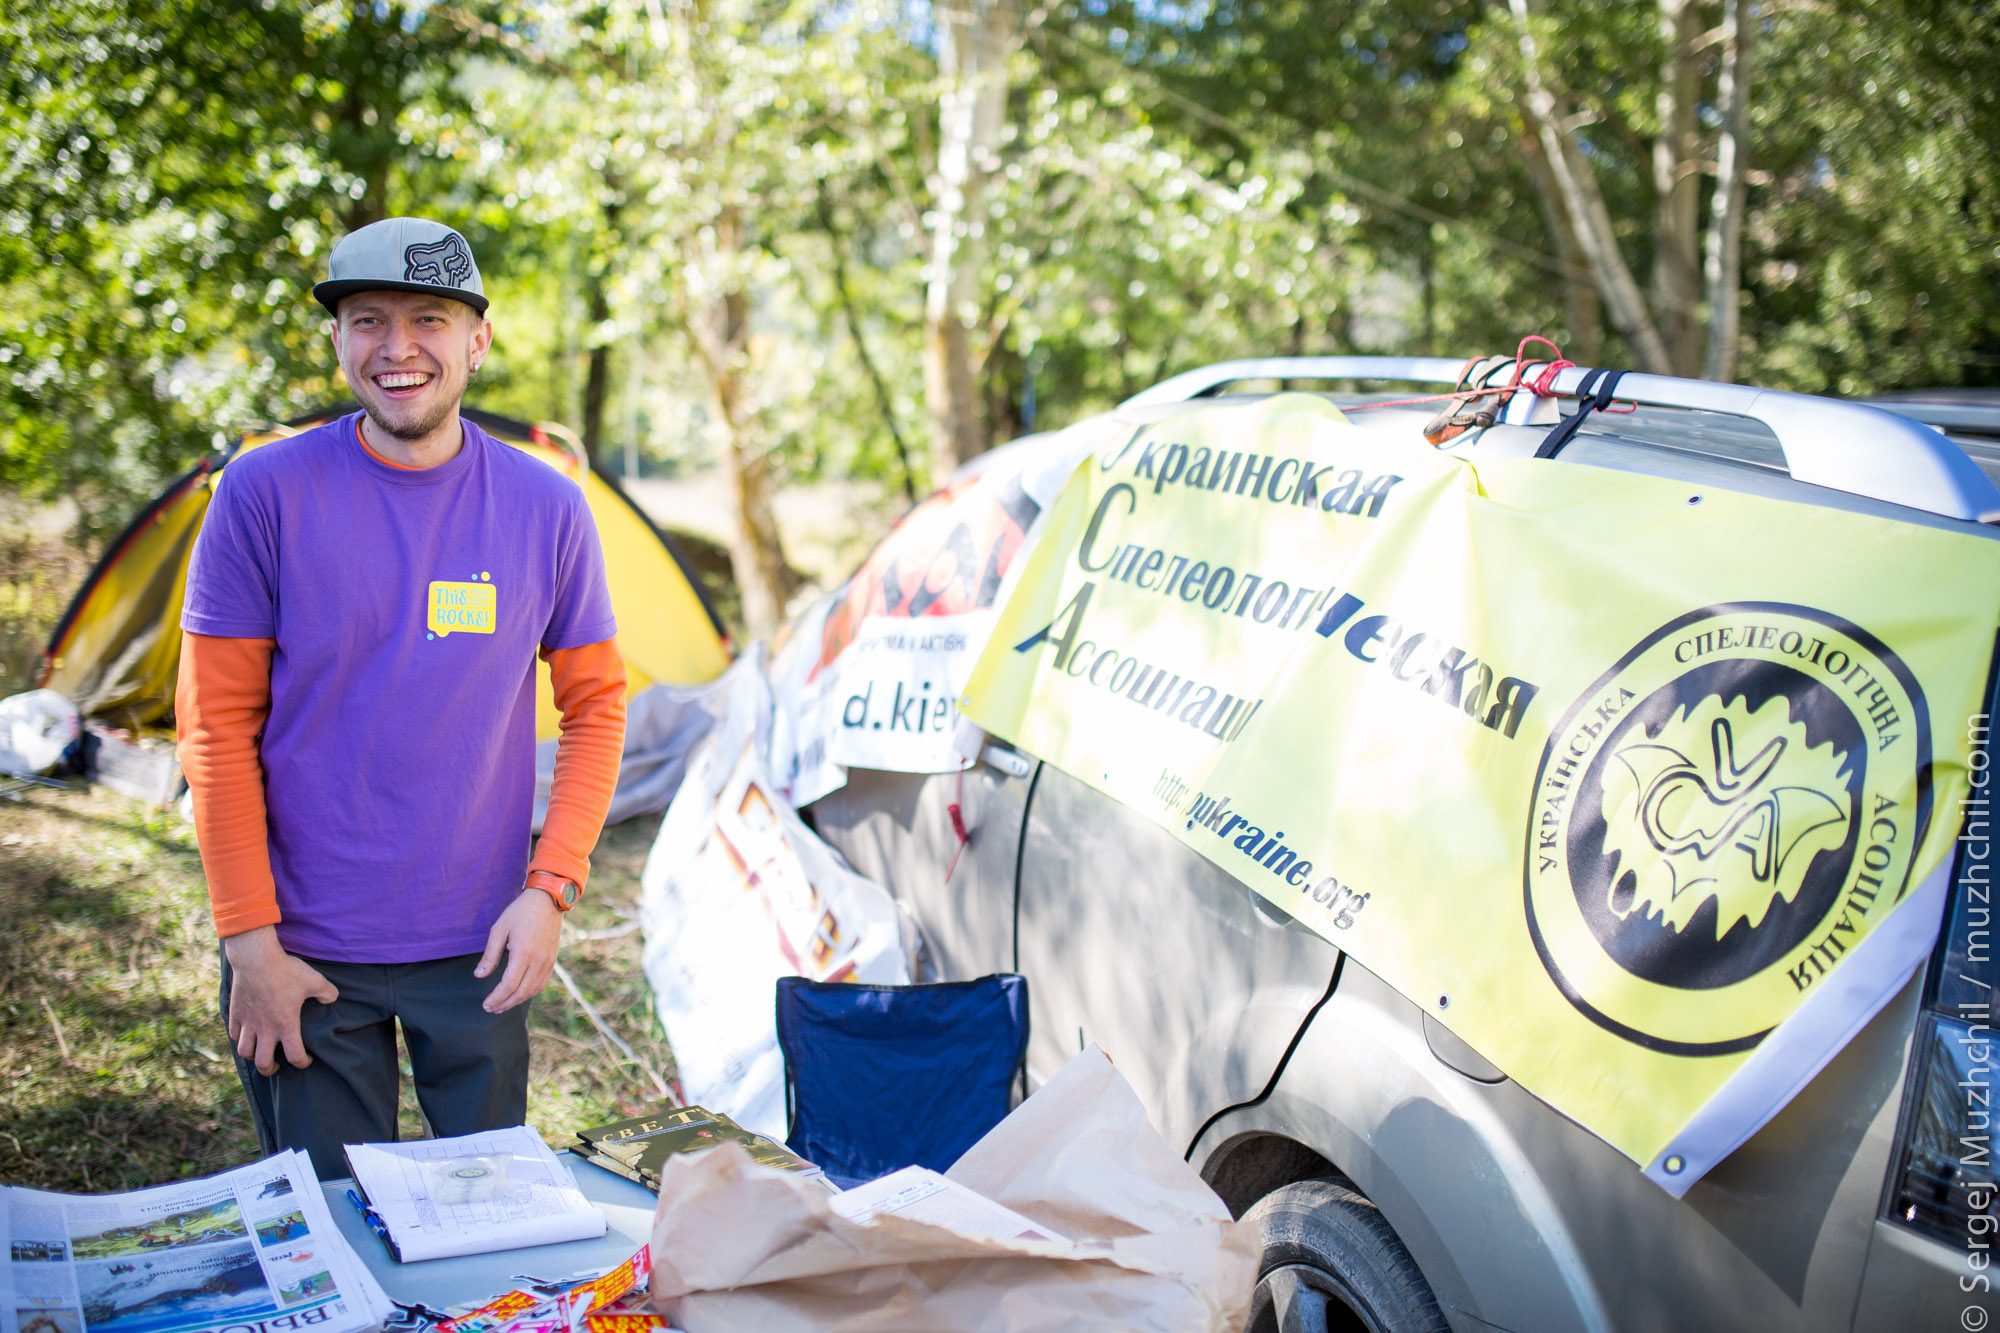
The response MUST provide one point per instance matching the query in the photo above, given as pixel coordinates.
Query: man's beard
(411, 426)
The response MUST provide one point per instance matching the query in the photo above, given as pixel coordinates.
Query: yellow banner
(1608, 772)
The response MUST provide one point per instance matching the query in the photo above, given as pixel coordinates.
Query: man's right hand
(266, 990)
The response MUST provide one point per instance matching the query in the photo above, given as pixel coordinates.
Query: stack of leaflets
(638, 1148)
(253, 1248)
(614, 1303)
(498, 1190)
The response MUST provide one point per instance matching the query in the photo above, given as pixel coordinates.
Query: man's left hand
(527, 932)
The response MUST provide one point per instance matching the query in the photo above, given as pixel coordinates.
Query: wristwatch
(563, 891)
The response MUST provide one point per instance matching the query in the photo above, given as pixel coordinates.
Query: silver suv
(1400, 1180)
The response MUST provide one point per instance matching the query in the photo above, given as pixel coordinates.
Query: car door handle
(1006, 762)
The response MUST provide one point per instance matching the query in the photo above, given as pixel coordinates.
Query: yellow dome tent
(116, 651)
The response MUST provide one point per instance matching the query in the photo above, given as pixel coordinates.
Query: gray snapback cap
(402, 255)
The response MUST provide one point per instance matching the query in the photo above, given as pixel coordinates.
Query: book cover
(644, 1143)
(645, 1126)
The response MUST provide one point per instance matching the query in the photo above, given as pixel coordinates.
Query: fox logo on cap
(402, 254)
(446, 263)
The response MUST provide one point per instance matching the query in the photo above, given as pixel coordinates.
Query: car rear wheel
(1332, 1264)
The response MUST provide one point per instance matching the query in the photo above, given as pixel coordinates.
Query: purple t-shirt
(399, 756)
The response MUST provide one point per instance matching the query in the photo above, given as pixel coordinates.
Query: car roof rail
(1843, 446)
(1206, 380)
(1983, 419)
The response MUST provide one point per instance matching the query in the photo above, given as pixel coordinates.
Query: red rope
(1544, 383)
(956, 812)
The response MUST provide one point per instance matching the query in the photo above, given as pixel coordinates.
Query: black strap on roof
(1593, 395)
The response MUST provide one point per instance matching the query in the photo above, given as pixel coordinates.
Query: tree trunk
(369, 161)
(1585, 203)
(844, 293)
(1723, 261)
(1676, 227)
(1583, 312)
(1339, 319)
(370, 105)
(597, 380)
(975, 39)
(719, 327)
(371, 207)
(1427, 287)
(1004, 372)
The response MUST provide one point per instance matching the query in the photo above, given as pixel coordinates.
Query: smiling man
(364, 608)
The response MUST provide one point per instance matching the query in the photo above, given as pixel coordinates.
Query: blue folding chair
(882, 1077)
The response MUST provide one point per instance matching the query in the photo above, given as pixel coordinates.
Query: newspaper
(499, 1190)
(252, 1250)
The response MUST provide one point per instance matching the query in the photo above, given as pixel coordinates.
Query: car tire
(1333, 1264)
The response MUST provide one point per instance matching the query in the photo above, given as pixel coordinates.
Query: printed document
(500, 1190)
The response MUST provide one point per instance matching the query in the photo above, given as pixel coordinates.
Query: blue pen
(374, 1222)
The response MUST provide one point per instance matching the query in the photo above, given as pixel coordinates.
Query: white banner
(801, 734)
(870, 677)
(894, 692)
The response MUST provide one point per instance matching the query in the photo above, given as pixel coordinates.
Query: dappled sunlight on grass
(116, 1066)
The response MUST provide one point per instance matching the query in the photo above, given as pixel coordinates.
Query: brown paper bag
(739, 1246)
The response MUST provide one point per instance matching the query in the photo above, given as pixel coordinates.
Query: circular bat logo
(1720, 818)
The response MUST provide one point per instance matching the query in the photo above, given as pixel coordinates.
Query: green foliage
(1870, 256)
(1405, 183)
(1873, 259)
(175, 174)
(1179, 183)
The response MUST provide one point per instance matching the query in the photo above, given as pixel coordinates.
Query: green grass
(113, 1057)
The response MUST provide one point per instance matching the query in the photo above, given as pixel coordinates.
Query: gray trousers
(470, 1067)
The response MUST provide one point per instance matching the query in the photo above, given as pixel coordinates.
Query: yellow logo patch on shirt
(461, 608)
